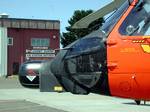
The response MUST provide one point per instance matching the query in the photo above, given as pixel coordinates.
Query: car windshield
(111, 21)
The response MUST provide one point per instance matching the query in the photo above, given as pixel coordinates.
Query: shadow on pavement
(133, 103)
(10, 83)
(24, 106)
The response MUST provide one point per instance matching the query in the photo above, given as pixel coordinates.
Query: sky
(61, 10)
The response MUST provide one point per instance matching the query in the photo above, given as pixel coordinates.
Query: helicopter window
(112, 20)
(138, 21)
(85, 45)
(86, 61)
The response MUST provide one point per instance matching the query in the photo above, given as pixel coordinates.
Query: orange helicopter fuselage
(128, 61)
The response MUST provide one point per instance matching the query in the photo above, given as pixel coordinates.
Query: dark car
(29, 73)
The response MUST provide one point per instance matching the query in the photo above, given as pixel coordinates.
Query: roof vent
(4, 15)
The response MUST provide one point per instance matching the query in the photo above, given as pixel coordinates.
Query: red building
(30, 39)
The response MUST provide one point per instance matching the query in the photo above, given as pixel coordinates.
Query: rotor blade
(84, 22)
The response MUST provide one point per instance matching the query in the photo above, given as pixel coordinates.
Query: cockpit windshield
(113, 19)
(138, 21)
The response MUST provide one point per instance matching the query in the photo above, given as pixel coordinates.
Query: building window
(38, 42)
(10, 41)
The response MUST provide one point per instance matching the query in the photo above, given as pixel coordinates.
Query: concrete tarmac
(16, 99)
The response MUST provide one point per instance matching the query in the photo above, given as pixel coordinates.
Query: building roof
(29, 23)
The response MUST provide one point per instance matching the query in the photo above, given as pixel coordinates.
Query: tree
(74, 34)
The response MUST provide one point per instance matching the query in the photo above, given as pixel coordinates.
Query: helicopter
(113, 60)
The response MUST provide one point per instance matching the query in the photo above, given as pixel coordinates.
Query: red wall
(22, 41)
